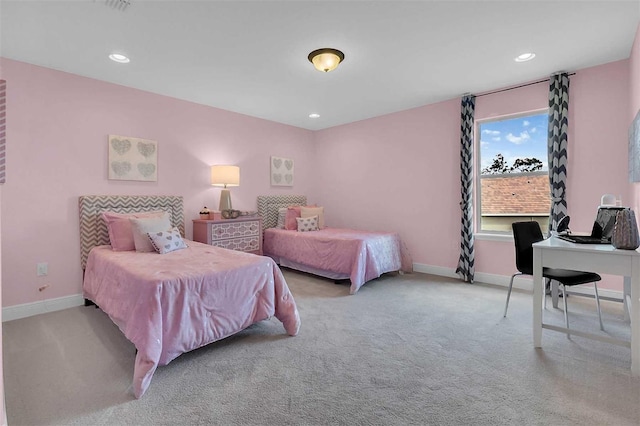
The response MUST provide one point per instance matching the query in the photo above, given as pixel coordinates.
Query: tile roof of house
(515, 194)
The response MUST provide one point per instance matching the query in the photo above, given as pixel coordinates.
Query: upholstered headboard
(93, 229)
(268, 206)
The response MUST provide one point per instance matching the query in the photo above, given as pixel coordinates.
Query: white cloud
(517, 140)
(484, 143)
(497, 139)
(533, 129)
(525, 123)
(491, 132)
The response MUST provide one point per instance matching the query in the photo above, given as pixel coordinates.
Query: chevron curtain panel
(557, 146)
(466, 268)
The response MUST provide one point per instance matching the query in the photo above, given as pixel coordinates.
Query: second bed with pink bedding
(357, 255)
(338, 253)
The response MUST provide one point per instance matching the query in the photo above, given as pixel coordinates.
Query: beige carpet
(411, 349)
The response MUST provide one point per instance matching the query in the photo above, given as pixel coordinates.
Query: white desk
(600, 258)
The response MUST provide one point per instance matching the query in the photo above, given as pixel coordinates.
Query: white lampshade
(225, 176)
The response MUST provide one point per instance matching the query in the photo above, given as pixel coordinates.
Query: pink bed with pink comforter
(172, 303)
(359, 255)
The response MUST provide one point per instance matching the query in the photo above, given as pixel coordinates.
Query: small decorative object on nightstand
(230, 214)
(242, 234)
(204, 213)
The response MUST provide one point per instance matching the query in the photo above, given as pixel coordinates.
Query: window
(513, 177)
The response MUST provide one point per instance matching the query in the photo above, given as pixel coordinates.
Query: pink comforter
(361, 255)
(172, 303)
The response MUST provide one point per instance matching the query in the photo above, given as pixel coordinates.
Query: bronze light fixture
(326, 59)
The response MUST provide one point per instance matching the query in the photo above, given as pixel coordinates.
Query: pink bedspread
(361, 255)
(172, 303)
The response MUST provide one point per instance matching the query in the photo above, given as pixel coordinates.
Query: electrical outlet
(43, 269)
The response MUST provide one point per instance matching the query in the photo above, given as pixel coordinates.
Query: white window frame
(478, 232)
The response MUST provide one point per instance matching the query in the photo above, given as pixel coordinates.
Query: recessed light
(525, 57)
(118, 57)
(314, 115)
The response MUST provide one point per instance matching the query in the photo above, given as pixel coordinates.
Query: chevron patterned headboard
(268, 206)
(93, 230)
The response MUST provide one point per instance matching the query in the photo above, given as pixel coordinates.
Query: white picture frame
(133, 159)
(281, 171)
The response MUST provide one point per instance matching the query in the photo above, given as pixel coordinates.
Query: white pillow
(142, 226)
(313, 211)
(282, 214)
(306, 224)
(166, 241)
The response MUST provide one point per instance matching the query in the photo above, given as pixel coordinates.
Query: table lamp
(225, 176)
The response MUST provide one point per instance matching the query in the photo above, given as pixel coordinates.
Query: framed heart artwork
(133, 159)
(281, 171)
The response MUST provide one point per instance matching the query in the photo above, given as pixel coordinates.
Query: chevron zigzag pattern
(466, 262)
(3, 127)
(93, 229)
(557, 146)
(268, 206)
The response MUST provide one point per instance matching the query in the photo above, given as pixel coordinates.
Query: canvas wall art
(133, 159)
(281, 171)
(634, 149)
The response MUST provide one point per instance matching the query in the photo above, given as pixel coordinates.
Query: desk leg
(538, 291)
(634, 313)
(554, 293)
(626, 294)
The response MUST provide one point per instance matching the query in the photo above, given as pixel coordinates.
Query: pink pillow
(120, 230)
(290, 222)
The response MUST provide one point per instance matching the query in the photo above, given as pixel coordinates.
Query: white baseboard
(15, 312)
(520, 282)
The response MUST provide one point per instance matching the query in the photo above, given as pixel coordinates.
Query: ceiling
(251, 56)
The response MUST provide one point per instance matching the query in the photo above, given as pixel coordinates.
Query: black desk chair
(524, 235)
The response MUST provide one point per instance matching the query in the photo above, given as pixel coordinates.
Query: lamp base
(225, 200)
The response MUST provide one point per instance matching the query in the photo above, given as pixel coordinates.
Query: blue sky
(514, 138)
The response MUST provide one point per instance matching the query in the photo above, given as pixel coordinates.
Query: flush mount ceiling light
(326, 59)
(314, 115)
(118, 57)
(525, 57)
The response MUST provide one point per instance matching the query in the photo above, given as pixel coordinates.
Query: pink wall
(401, 171)
(634, 74)
(57, 131)
(396, 172)
(634, 103)
(3, 413)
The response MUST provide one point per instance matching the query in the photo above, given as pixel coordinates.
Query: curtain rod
(517, 87)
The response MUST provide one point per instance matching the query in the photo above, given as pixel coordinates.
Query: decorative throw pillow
(119, 227)
(306, 224)
(282, 214)
(290, 218)
(141, 227)
(314, 211)
(166, 241)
